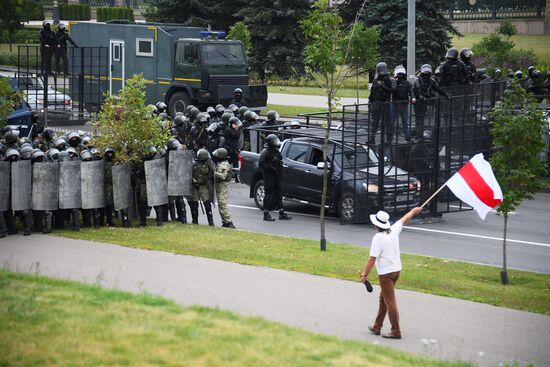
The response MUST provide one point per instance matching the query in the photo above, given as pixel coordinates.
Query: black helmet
(203, 155)
(194, 113)
(233, 108)
(220, 153)
(272, 115)
(273, 141)
(211, 111)
(60, 144)
(382, 68)
(48, 134)
(188, 109)
(37, 155)
(86, 155)
(11, 136)
(163, 116)
(12, 155)
(25, 152)
(53, 154)
(173, 144)
(452, 54)
(226, 117)
(179, 120)
(214, 128)
(235, 121)
(242, 110)
(238, 92)
(161, 107)
(86, 140)
(203, 118)
(519, 74)
(530, 70)
(74, 139)
(466, 54)
(64, 156)
(109, 153)
(61, 26)
(151, 152)
(247, 116)
(25, 140)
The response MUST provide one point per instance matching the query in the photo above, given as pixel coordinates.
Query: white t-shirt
(385, 247)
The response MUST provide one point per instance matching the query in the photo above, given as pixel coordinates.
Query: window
(223, 53)
(116, 52)
(316, 156)
(144, 47)
(187, 53)
(297, 152)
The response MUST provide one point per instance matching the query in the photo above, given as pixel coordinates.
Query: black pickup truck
(353, 191)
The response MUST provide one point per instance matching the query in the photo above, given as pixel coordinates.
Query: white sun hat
(381, 219)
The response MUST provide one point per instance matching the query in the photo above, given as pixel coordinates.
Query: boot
(75, 219)
(182, 212)
(47, 217)
(86, 218)
(125, 219)
(194, 205)
(97, 218)
(268, 217)
(109, 215)
(229, 225)
(27, 222)
(208, 209)
(172, 209)
(10, 222)
(36, 220)
(165, 212)
(142, 214)
(283, 215)
(3, 226)
(159, 211)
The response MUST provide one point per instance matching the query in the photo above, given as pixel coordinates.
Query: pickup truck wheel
(259, 194)
(178, 102)
(346, 207)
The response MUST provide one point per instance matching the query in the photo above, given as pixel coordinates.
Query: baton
(202, 206)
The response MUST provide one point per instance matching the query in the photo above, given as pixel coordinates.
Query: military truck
(181, 65)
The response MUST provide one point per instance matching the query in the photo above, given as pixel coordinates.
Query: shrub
(7, 58)
(114, 13)
(74, 12)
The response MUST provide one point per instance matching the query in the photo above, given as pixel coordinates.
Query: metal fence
(66, 89)
(492, 9)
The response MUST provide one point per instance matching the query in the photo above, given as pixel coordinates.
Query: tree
(8, 100)
(10, 18)
(364, 51)
(277, 40)
(192, 13)
(127, 125)
(239, 31)
(329, 48)
(517, 131)
(432, 30)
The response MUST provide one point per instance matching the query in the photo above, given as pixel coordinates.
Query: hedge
(114, 13)
(75, 12)
(32, 10)
(25, 35)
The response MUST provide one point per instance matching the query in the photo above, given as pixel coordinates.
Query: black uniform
(402, 94)
(424, 89)
(271, 164)
(380, 96)
(61, 50)
(454, 73)
(48, 45)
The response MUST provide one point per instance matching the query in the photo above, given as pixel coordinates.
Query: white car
(33, 91)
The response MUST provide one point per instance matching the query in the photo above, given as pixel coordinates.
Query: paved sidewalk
(435, 326)
(307, 100)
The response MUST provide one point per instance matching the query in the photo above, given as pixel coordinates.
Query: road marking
(477, 236)
(420, 229)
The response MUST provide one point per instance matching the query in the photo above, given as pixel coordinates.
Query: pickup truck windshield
(223, 54)
(359, 158)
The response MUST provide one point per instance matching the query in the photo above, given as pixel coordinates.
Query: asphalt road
(460, 236)
(439, 327)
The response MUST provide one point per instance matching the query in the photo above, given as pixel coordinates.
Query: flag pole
(434, 194)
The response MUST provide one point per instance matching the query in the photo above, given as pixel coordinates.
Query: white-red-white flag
(476, 185)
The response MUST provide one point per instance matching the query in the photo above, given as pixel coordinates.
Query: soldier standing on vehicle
(271, 164)
(423, 90)
(48, 45)
(203, 175)
(223, 175)
(238, 99)
(454, 72)
(402, 94)
(61, 50)
(466, 57)
(379, 99)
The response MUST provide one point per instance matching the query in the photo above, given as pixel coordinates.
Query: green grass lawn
(346, 92)
(539, 44)
(290, 111)
(528, 291)
(61, 323)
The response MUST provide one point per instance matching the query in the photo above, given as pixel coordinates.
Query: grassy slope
(528, 291)
(60, 323)
(539, 44)
(346, 92)
(290, 111)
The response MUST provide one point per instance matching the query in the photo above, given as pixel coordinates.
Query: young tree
(517, 131)
(127, 125)
(364, 51)
(327, 52)
(239, 31)
(277, 40)
(432, 30)
(10, 18)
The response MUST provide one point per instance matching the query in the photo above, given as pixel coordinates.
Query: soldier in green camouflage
(203, 175)
(223, 175)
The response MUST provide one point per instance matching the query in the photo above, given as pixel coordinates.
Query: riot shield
(180, 172)
(156, 182)
(92, 184)
(45, 180)
(5, 185)
(21, 185)
(254, 139)
(122, 186)
(70, 195)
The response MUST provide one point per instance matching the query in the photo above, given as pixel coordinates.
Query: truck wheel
(346, 207)
(259, 194)
(178, 102)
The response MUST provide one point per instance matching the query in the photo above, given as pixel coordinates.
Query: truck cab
(207, 71)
